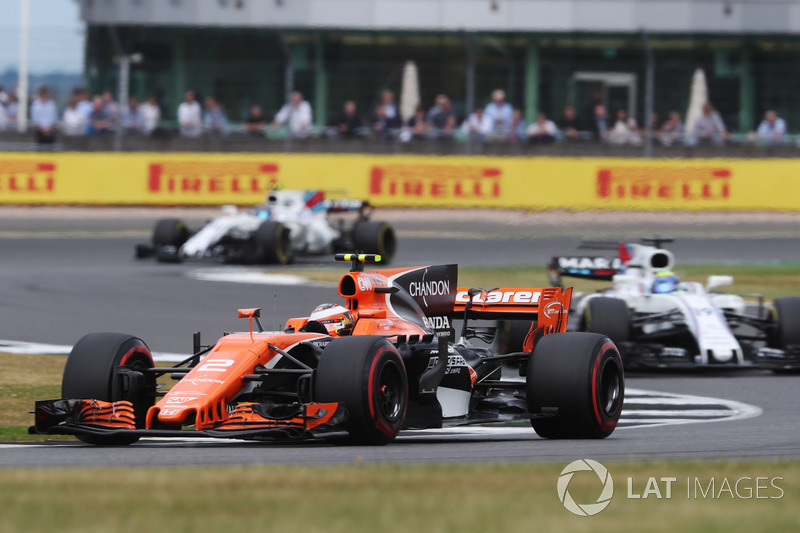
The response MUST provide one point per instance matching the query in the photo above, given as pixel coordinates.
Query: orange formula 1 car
(385, 360)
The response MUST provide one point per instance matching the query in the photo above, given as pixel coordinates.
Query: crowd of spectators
(496, 121)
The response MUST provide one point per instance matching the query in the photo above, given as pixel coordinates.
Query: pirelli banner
(514, 182)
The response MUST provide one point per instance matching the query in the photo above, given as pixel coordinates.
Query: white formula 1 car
(658, 321)
(290, 222)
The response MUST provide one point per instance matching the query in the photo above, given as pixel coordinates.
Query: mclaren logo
(553, 308)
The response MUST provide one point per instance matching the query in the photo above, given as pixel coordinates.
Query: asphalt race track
(62, 277)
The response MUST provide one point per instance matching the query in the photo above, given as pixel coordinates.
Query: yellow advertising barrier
(451, 181)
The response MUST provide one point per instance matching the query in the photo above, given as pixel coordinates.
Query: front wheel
(366, 375)
(577, 379)
(107, 367)
(786, 322)
(169, 234)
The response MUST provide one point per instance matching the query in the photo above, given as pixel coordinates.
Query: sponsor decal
(18, 176)
(429, 288)
(553, 309)
(180, 399)
(436, 322)
(368, 281)
(496, 297)
(446, 182)
(668, 183)
(589, 263)
(190, 177)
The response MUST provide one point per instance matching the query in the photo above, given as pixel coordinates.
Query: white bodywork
(701, 310)
(309, 227)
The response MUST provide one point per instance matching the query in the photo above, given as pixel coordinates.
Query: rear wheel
(578, 377)
(107, 367)
(609, 317)
(374, 237)
(169, 234)
(365, 374)
(272, 244)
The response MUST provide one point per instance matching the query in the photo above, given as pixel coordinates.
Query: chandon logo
(428, 288)
(585, 509)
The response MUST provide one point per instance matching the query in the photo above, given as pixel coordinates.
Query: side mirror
(718, 281)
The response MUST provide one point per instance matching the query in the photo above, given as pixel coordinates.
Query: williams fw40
(383, 360)
(657, 320)
(290, 222)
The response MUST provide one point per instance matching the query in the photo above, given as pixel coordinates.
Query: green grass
(771, 280)
(365, 498)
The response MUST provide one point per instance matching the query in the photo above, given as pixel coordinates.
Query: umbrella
(697, 98)
(409, 95)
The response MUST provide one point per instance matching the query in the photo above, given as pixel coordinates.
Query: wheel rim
(284, 244)
(390, 392)
(609, 390)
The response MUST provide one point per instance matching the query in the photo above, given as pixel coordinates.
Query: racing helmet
(665, 281)
(337, 320)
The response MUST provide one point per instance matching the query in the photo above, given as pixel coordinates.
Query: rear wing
(549, 307)
(584, 267)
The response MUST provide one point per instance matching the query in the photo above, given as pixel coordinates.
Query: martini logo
(436, 182)
(18, 176)
(667, 183)
(195, 177)
(605, 493)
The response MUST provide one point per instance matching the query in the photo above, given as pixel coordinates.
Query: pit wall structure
(534, 183)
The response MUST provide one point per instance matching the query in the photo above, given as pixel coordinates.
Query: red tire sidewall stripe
(605, 425)
(136, 350)
(378, 421)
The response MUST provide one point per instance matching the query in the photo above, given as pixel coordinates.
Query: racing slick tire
(786, 322)
(273, 244)
(609, 317)
(373, 237)
(365, 374)
(169, 234)
(93, 372)
(578, 376)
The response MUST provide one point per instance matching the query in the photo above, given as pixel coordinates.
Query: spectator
(517, 129)
(255, 122)
(297, 114)
(671, 130)
(441, 118)
(215, 121)
(772, 129)
(99, 121)
(625, 130)
(349, 122)
(73, 122)
(387, 103)
(131, 116)
(151, 115)
(570, 125)
(543, 131)
(3, 116)
(709, 127)
(500, 112)
(190, 116)
(44, 116)
(478, 125)
(111, 107)
(598, 125)
(84, 105)
(12, 108)
(383, 126)
(3, 97)
(416, 127)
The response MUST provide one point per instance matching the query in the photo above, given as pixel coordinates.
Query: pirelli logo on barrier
(668, 183)
(207, 178)
(435, 182)
(26, 177)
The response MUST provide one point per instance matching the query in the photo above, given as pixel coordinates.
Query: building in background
(546, 54)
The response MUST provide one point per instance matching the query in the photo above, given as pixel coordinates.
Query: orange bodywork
(201, 396)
